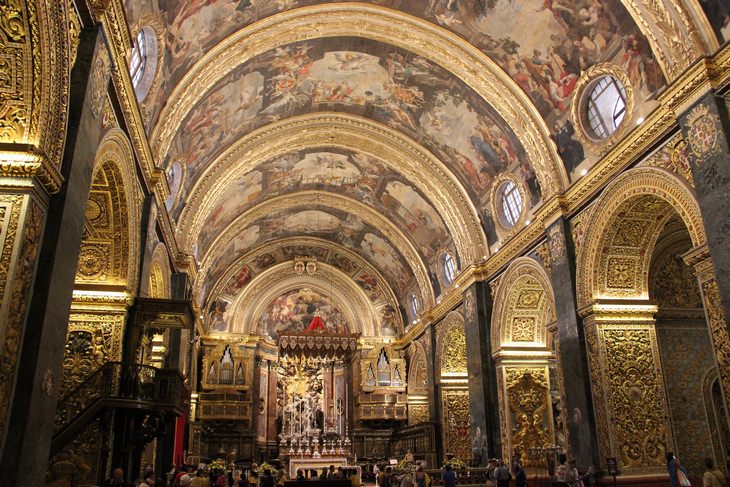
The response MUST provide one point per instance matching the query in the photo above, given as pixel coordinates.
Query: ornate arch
(110, 246)
(340, 288)
(332, 201)
(525, 306)
(159, 274)
(627, 220)
(451, 346)
(340, 131)
(417, 375)
(381, 24)
(217, 288)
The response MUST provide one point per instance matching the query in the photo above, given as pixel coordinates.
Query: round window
(413, 305)
(606, 106)
(511, 202)
(143, 63)
(448, 268)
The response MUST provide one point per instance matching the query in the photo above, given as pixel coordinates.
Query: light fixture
(639, 120)
(584, 172)
(527, 222)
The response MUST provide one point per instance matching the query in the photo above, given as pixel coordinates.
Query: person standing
(571, 476)
(449, 477)
(712, 477)
(502, 475)
(266, 479)
(201, 481)
(116, 479)
(519, 472)
(677, 473)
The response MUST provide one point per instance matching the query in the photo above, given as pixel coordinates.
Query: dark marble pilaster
(483, 405)
(706, 127)
(428, 340)
(572, 356)
(30, 425)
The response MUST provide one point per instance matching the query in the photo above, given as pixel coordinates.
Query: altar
(313, 398)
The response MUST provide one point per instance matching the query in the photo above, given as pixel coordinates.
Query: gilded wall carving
(672, 283)
(417, 413)
(523, 307)
(456, 423)
(22, 281)
(628, 218)
(452, 345)
(718, 330)
(628, 388)
(680, 343)
(35, 63)
(673, 158)
(93, 339)
(104, 256)
(528, 398)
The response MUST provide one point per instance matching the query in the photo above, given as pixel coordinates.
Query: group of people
(331, 473)
(712, 476)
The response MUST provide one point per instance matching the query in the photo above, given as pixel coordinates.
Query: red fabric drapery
(178, 452)
(316, 324)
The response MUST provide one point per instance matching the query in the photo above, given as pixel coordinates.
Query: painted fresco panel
(718, 13)
(295, 310)
(333, 225)
(363, 77)
(352, 174)
(565, 37)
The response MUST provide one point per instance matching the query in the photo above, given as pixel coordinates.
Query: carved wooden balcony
(118, 385)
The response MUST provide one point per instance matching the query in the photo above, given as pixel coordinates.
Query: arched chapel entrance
(643, 278)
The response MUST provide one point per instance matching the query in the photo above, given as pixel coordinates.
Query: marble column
(41, 344)
(706, 127)
(571, 349)
(483, 402)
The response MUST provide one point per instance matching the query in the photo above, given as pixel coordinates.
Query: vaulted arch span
(268, 302)
(445, 49)
(328, 131)
(628, 219)
(379, 238)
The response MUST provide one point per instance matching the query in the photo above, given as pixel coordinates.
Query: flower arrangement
(266, 466)
(217, 465)
(457, 463)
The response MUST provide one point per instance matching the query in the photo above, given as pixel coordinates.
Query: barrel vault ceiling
(369, 137)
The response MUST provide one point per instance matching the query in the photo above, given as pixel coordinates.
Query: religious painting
(369, 284)
(718, 13)
(219, 315)
(263, 261)
(292, 251)
(348, 173)
(238, 281)
(293, 312)
(389, 319)
(345, 264)
(333, 224)
(364, 77)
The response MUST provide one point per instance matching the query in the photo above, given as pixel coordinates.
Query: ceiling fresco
(351, 174)
(565, 38)
(243, 273)
(718, 13)
(361, 77)
(331, 224)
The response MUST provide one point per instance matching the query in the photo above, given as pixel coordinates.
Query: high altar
(313, 408)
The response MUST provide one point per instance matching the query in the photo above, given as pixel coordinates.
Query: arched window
(413, 305)
(512, 203)
(139, 58)
(606, 106)
(448, 268)
(143, 63)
